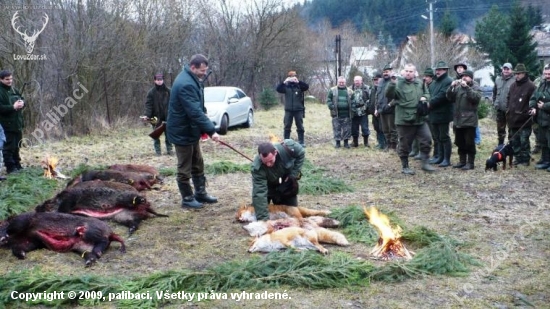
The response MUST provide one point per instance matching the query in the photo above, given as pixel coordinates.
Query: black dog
(499, 155)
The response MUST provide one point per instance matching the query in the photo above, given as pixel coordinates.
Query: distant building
(363, 58)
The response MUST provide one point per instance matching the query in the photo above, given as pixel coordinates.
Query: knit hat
(291, 73)
(159, 76)
(441, 65)
(468, 73)
(461, 65)
(429, 72)
(520, 68)
(507, 65)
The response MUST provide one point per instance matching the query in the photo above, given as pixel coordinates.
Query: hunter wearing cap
(500, 94)
(441, 114)
(156, 109)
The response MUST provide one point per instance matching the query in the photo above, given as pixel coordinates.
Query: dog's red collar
(498, 154)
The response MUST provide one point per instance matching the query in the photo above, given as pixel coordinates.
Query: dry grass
(502, 217)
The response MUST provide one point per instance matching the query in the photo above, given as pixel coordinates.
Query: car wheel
(224, 125)
(250, 120)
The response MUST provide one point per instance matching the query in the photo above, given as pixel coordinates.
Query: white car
(228, 107)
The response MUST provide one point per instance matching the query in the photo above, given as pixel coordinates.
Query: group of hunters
(408, 114)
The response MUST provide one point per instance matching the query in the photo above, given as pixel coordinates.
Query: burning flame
(274, 139)
(389, 244)
(49, 164)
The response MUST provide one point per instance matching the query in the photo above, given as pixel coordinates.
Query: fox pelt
(246, 213)
(297, 238)
(259, 228)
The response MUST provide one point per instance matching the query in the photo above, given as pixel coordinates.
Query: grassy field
(502, 218)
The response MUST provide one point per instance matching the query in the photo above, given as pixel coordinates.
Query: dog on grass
(500, 154)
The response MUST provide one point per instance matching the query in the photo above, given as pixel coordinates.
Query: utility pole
(338, 52)
(431, 11)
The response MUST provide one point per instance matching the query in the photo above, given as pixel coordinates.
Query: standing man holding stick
(11, 119)
(186, 122)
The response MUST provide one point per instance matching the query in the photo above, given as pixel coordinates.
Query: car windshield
(214, 95)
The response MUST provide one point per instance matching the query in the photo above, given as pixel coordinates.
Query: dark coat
(441, 109)
(10, 119)
(187, 118)
(518, 103)
(542, 93)
(294, 95)
(157, 103)
(381, 99)
(465, 101)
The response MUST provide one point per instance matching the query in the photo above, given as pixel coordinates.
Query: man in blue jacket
(186, 122)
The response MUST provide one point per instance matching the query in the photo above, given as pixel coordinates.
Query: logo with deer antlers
(29, 39)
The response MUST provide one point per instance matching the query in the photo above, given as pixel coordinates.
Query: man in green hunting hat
(441, 114)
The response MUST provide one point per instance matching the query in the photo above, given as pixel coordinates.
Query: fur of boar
(125, 207)
(136, 180)
(138, 168)
(59, 232)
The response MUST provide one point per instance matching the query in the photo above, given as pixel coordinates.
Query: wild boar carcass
(58, 232)
(137, 180)
(103, 202)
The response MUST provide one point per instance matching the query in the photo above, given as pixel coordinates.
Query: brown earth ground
(503, 217)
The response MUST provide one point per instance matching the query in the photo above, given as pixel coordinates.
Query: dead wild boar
(58, 232)
(125, 207)
(137, 180)
(139, 168)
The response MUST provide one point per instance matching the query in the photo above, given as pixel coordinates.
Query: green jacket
(187, 118)
(288, 163)
(360, 100)
(339, 102)
(441, 109)
(542, 93)
(406, 95)
(10, 119)
(465, 100)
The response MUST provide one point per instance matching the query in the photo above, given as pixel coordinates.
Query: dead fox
(246, 213)
(259, 228)
(293, 237)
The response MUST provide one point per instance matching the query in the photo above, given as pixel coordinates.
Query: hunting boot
(156, 144)
(337, 145)
(435, 156)
(366, 141)
(286, 134)
(200, 190)
(414, 152)
(381, 141)
(393, 146)
(462, 160)
(355, 142)
(440, 155)
(470, 163)
(301, 138)
(500, 141)
(405, 164)
(426, 164)
(188, 199)
(446, 154)
(544, 162)
(346, 144)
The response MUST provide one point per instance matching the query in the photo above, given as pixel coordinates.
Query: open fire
(389, 244)
(49, 164)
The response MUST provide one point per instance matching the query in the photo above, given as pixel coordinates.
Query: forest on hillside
(398, 18)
